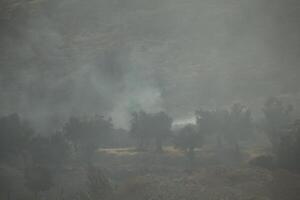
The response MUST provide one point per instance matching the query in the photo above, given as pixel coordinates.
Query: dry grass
(167, 150)
(149, 175)
(132, 151)
(213, 184)
(128, 151)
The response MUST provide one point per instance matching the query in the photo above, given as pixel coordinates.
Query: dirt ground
(167, 176)
(149, 175)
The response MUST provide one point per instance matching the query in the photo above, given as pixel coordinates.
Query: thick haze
(73, 57)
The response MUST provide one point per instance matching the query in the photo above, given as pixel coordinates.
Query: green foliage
(283, 134)
(231, 125)
(60, 149)
(207, 121)
(187, 139)
(141, 128)
(98, 186)
(240, 124)
(264, 161)
(87, 135)
(277, 119)
(288, 150)
(150, 126)
(51, 151)
(15, 136)
(38, 179)
(161, 124)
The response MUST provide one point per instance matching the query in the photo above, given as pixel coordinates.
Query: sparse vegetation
(188, 139)
(87, 135)
(149, 100)
(128, 173)
(150, 127)
(38, 179)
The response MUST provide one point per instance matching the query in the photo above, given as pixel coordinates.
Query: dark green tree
(147, 127)
(283, 133)
(288, 150)
(206, 121)
(15, 136)
(238, 125)
(161, 124)
(229, 126)
(52, 151)
(140, 129)
(98, 186)
(277, 119)
(88, 134)
(209, 124)
(38, 179)
(187, 139)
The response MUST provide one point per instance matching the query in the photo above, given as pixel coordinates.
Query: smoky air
(140, 100)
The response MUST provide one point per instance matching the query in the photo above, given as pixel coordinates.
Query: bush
(288, 152)
(38, 179)
(264, 161)
(98, 186)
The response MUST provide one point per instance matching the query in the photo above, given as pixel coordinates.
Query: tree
(15, 136)
(60, 149)
(230, 126)
(209, 123)
(187, 139)
(38, 179)
(49, 151)
(98, 186)
(283, 134)
(206, 121)
(147, 127)
(288, 150)
(277, 119)
(161, 124)
(88, 134)
(239, 125)
(39, 151)
(140, 129)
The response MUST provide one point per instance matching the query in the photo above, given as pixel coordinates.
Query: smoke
(63, 58)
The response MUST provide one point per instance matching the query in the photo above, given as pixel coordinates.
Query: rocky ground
(150, 176)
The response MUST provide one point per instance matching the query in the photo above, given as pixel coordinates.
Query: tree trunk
(8, 195)
(141, 145)
(158, 143)
(191, 156)
(219, 141)
(36, 195)
(237, 150)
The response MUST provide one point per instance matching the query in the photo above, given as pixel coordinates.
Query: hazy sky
(68, 57)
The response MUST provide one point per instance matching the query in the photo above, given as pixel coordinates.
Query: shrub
(98, 186)
(264, 161)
